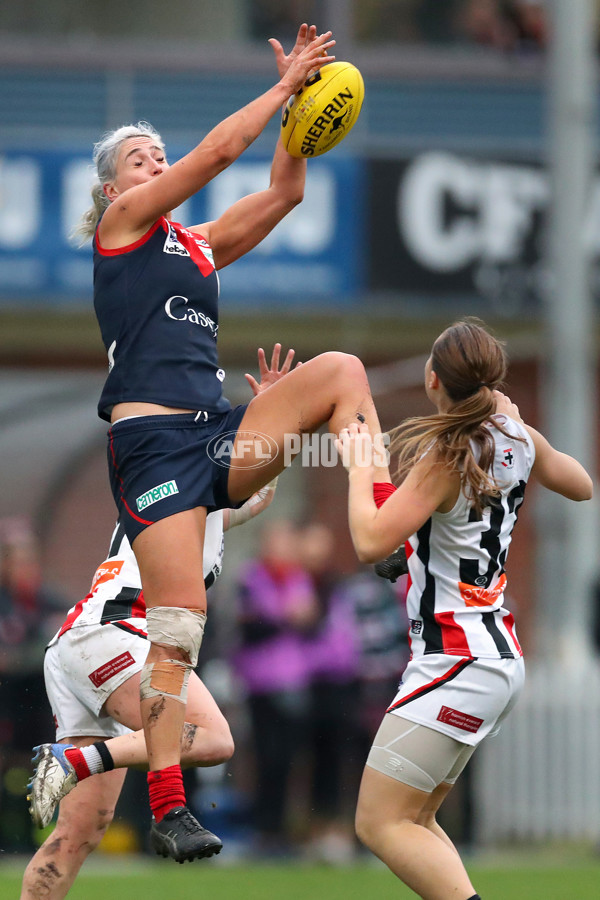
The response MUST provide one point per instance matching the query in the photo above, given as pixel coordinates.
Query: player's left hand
(355, 446)
(270, 374)
(306, 34)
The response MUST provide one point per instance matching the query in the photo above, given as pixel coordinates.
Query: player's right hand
(505, 407)
(270, 374)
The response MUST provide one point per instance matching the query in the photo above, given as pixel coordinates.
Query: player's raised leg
(206, 741)
(83, 819)
(330, 389)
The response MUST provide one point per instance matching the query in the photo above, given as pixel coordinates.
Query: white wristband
(244, 513)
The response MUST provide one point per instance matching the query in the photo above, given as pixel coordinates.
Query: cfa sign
(452, 212)
(448, 225)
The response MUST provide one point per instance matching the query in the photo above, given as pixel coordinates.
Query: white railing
(539, 778)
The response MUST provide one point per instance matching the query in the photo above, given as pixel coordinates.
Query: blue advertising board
(316, 255)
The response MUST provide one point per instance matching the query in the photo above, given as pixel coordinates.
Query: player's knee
(342, 362)
(341, 367)
(225, 744)
(222, 748)
(99, 827)
(364, 826)
(81, 836)
(177, 628)
(207, 747)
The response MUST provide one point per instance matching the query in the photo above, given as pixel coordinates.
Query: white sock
(93, 759)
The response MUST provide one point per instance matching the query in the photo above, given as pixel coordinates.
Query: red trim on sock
(165, 790)
(77, 760)
(381, 491)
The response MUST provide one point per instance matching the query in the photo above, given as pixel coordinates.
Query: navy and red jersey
(156, 301)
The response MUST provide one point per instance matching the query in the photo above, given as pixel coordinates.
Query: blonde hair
(106, 153)
(470, 364)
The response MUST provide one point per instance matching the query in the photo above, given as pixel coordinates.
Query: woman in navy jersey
(176, 448)
(92, 671)
(462, 474)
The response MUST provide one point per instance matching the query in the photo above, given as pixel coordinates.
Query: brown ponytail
(470, 364)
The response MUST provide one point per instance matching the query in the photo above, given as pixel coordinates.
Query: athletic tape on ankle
(177, 627)
(166, 678)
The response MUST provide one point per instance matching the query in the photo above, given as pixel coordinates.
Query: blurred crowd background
(436, 206)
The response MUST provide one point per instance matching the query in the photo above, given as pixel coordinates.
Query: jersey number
(490, 539)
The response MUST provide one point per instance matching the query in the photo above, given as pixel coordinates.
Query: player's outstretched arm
(248, 221)
(377, 532)
(558, 471)
(141, 205)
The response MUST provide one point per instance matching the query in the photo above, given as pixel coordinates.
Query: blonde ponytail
(89, 220)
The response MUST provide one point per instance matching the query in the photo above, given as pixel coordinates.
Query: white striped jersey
(456, 564)
(116, 596)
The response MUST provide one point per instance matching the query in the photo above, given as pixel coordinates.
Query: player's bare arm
(136, 206)
(252, 218)
(554, 470)
(378, 532)
(558, 471)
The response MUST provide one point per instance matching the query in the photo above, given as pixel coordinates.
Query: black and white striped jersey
(456, 564)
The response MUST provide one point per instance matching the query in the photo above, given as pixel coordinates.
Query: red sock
(165, 789)
(381, 491)
(77, 760)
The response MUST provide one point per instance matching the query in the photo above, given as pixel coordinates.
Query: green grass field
(118, 879)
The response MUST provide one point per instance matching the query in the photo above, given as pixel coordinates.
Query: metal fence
(539, 779)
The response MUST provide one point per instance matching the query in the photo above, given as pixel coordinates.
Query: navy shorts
(162, 465)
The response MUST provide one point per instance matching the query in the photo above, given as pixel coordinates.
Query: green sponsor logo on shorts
(157, 493)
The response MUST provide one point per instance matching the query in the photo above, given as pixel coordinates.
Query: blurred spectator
(388, 20)
(277, 607)
(482, 22)
(508, 25)
(272, 18)
(511, 25)
(384, 650)
(29, 615)
(333, 653)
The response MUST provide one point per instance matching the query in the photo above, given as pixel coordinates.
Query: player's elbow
(287, 191)
(289, 197)
(372, 544)
(221, 154)
(219, 749)
(578, 487)
(585, 490)
(368, 551)
(366, 556)
(296, 195)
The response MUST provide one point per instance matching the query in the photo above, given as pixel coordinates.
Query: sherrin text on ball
(323, 111)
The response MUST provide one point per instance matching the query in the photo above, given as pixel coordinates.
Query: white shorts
(81, 671)
(466, 699)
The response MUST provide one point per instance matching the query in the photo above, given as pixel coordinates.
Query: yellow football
(323, 111)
